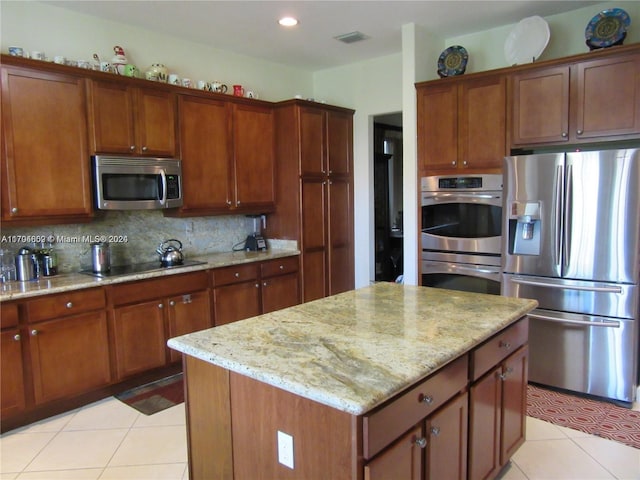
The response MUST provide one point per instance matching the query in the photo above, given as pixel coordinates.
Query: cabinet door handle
(507, 372)
(144, 149)
(172, 303)
(421, 442)
(564, 134)
(579, 132)
(435, 431)
(160, 305)
(264, 284)
(16, 337)
(69, 305)
(257, 285)
(427, 399)
(34, 332)
(14, 210)
(237, 274)
(132, 148)
(464, 163)
(281, 267)
(453, 163)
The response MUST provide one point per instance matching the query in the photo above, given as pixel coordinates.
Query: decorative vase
(157, 72)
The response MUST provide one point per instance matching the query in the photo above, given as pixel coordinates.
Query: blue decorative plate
(607, 28)
(453, 61)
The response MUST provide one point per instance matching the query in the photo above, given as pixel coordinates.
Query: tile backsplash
(134, 237)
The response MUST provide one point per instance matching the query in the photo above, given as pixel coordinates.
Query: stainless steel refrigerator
(571, 240)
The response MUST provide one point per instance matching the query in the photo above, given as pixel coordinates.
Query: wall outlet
(285, 449)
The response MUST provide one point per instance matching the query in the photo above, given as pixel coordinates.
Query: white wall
(56, 31)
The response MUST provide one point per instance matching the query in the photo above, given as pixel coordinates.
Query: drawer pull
(237, 275)
(281, 267)
(69, 305)
(427, 399)
(435, 431)
(421, 442)
(16, 337)
(34, 332)
(503, 344)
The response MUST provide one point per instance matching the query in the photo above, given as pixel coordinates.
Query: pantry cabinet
(315, 153)
(143, 318)
(129, 120)
(462, 124)
(45, 169)
(586, 101)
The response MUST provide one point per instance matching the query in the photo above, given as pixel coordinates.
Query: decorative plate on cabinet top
(607, 28)
(526, 42)
(453, 61)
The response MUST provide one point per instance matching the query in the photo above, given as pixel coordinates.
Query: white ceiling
(250, 27)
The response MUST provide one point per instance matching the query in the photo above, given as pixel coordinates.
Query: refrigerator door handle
(604, 323)
(558, 215)
(586, 288)
(568, 211)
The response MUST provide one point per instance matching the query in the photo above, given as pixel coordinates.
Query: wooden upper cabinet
(254, 158)
(462, 124)
(312, 147)
(206, 153)
(131, 120)
(588, 101)
(45, 157)
(325, 141)
(540, 106)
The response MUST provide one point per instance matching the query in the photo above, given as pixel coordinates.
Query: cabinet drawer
(54, 306)
(143, 290)
(8, 315)
(496, 349)
(235, 274)
(388, 422)
(279, 267)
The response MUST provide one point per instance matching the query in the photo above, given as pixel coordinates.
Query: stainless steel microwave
(132, 183)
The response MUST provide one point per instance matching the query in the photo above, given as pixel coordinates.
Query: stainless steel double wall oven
(461, 232)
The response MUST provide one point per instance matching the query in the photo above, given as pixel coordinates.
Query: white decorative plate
(526, 42)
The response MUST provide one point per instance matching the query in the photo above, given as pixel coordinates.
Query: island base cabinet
(497, 416)
(402, 461)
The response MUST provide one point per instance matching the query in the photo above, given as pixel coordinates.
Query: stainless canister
(25, 265)
(101, 257)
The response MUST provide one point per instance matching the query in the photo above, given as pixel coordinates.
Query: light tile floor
(109, 440)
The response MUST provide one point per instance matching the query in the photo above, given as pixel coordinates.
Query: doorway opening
(387, 188)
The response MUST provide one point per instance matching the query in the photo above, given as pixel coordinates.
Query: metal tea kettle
(170, 254)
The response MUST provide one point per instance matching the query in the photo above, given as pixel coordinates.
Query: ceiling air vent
(351, 37)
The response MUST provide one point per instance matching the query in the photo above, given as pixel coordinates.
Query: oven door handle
(586, 323)
(483, 272)
(586, 288)
(453, 196)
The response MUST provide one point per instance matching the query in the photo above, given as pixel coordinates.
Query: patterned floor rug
(156, 396)
(585, 414)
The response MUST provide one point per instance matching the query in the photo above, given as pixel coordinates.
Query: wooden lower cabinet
(12, 394)
(138, 332)
(188, 313)
(148, 312)
(497, 410)
(437, 447)
(69, 356)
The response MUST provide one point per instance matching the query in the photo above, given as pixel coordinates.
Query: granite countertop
(354, 350)
(76, 281)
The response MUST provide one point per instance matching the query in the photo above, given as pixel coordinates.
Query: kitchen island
(346, 386)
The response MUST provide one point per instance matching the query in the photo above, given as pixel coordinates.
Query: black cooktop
(118, 270)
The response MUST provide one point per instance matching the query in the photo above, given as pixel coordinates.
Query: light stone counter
(76, 281)
(354, 350)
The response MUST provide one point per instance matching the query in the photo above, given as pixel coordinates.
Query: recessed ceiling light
(288, 22)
